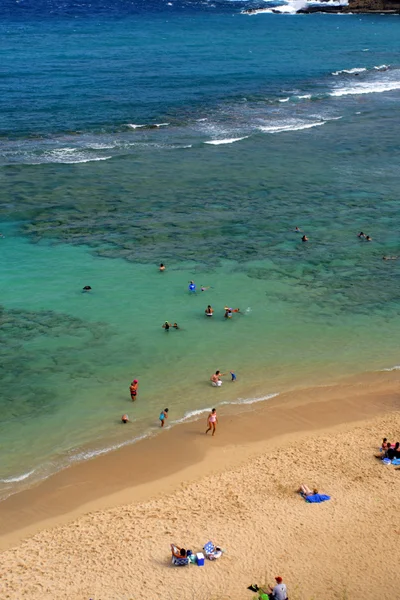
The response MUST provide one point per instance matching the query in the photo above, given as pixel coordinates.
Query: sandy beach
(90, 532)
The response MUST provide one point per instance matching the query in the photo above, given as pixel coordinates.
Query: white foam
(161, 124)
(304, 97)
(284, 99)
(87, 455)
(191, 415)
(350, 71)
(18, 477)
(134, 126)
(226, 141)
(101, 146)
(395, 368)
(290, 127)
(367, 88)
(382, 67)
(67, 156)
(252, 400)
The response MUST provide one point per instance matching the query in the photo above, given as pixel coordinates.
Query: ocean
(191, 134)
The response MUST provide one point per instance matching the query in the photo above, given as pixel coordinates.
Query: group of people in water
(212, 419)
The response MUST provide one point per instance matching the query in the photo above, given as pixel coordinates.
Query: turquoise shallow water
(254, 136)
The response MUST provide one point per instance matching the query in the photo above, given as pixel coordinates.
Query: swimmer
(166, 326)
(192, 286)
(216, 378)
(87, 288)
(361, 235)
(212, 421)
(133, 388)
(297, 230)
(233, 375)
(229, 311)
(124, 419)
(163, 416)
(175, 326)
(161, 267)
(205, 287)
(368, 238)
(304, 238)
(209, 311)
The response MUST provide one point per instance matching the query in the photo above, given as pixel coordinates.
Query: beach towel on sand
(396, 461)
(317, 498)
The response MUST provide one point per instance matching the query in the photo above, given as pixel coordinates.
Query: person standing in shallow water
(133, 388)
(212, 421)
(163, 416)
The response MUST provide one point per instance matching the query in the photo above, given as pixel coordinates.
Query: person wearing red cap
(279, 592)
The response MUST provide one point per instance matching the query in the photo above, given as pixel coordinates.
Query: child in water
(163, 416)
(233, 375)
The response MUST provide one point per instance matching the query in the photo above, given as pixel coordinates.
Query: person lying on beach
(304, 490)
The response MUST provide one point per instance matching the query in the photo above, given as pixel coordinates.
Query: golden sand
(240, 496)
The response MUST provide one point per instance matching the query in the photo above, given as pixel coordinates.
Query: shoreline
(250, 508)
(159, 464)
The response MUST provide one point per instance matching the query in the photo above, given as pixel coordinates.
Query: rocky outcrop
(363, 6)
(354, 6)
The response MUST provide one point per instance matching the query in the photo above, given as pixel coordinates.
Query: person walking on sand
(163, 416)
(212, 421)
(133, 388)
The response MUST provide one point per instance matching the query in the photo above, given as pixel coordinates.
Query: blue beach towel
(317, 498)
(396, 461)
